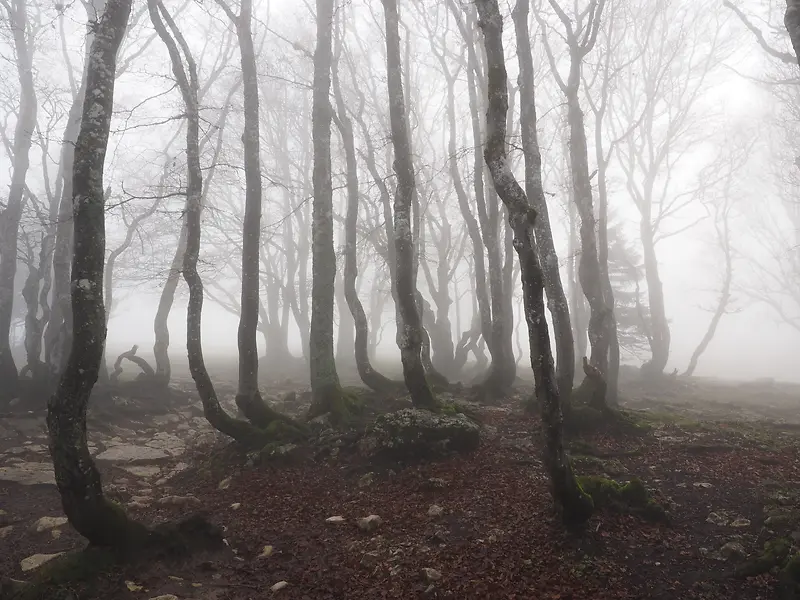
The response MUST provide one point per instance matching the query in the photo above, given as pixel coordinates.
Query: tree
(581, 38)
(77, 477)
(24, 35)
(574, 504)
(371, 378)
(534, 190)
(409, 330)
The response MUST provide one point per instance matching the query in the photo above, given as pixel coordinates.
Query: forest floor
(720, 455)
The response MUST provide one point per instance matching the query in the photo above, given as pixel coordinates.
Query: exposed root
(147, 370)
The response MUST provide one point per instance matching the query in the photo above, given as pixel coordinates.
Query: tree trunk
(327, 394)
(791, 20)
(409, 334)
(345, 338)
(77, 478)
(534, 189)
(600, 320)
(371, 378)
(659, 326)
(12, 213)
(574, 504)
(161, 321)
(242, 431)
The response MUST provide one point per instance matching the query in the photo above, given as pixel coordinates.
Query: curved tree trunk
(12, 213)
(77, 478)
(242, 431)
(371, 378)
(165, 301)
(575, 505)
(557, 299)
(409, 334)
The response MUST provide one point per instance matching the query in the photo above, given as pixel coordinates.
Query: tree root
(340, 404)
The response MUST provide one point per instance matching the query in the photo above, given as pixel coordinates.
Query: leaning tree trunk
(327, 393)
(160, 323)
(557, 298)
(574, 504)
(371, 378)
(77, 478)
(12, 213)
(409, 334)
(242, 431)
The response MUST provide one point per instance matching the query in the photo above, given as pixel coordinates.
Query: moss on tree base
(631, 497)
(341, 404)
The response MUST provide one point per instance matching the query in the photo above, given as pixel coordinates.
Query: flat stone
(37, 560)
(130, 453)
(435, 511)
(143, 471)
(165, 597)
(4, 531)
(335, 520)
(28, 473)
(48, 523)
(179, 501)
(431, 575)
(224, 484)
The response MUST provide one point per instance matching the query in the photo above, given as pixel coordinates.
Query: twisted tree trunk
(77, 478)
(409, 334)
(557, 299)
(575, 505)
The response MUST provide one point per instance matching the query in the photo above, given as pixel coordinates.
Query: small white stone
(48, 523)
(224, 484)
(336, 520)
(279, 586)
(435, 511)
(236, 505)
(37, 560)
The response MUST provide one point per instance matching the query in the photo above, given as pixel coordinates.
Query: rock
(48, 523)
(435, 511)
(335, 520)
(130, 453)
(435, 483)
(143, 471)
(718, 518)
(414, 432)
(740, 522)
(733, 551)
(224, 484)
(370, 523)
(165, 597)
(29, 473)
(366, 480)
(431, 575)
(4, 531)
(169, 443)
(37, 560)
(266, 552)
(236, 505)
(178, 501)
(279, 586)
(702, 484)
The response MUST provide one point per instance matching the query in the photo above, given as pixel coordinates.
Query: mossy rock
(416, 433)
(631, 497)
(612, 466)
(776, 554)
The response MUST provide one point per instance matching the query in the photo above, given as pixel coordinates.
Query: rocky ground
(473, 526)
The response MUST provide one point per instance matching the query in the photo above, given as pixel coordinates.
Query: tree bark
(574, 504)
(77, 478)
(659, 326)
(409, 334)
(12, 213)
(791, 20)
(371, 378)
(534, 189)
(327, 393)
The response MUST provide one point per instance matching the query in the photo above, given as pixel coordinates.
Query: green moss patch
(631, 497)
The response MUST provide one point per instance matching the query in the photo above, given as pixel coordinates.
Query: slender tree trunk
(345, 338)
(161, 321)
(368, 374)
(242, 431)
(409, 334)
(556, 298)
(659, 326)
(77, 478)
(325, 387)
(12, 213)
(574, 504)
